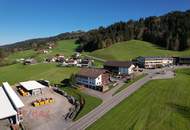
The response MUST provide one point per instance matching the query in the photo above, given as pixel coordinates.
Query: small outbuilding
(30, 61)
(33, 87)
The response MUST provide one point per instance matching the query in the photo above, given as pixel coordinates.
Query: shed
(33, 87)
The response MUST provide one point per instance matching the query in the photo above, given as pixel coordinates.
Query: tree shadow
(184, 111)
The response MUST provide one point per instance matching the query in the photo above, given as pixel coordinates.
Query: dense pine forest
(171, 31)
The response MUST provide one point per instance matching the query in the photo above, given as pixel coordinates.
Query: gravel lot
(45, 117)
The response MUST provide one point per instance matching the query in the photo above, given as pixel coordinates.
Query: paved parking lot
(45, 117)
(4, 124)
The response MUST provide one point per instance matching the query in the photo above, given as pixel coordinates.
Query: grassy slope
(18, 72)
(159, 105)
(21, 54)
(132, 49)
(65, 47)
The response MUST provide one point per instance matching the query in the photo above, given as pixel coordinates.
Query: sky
(26, 19)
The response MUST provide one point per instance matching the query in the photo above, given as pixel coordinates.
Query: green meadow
(134, 48)
(158, 105)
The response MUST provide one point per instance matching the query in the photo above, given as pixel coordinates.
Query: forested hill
(171, 31)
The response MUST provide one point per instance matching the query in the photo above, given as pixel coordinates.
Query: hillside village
(118, 65)
(98, 81)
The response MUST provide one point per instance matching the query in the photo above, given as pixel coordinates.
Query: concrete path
(95, 58)
(104, 96)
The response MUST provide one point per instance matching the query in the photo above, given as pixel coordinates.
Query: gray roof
(90, 72)
(6, 108)
(13, 96)
(31, 85)
(155, 57)
(118, 63)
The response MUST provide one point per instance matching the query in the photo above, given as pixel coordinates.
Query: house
(29, 61)
(97, 79)
(51, 59)
(76, 55)
(33, 87)
(11, 104)
(85, 63)
(120, 67)
(43, 51)
(21, 60)
(151, 62)
(60, 58)
(69, 62)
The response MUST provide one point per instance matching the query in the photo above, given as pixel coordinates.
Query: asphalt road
(95, 58)
(98, 112)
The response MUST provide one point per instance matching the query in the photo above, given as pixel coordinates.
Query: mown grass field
(18, 72)
(159, 105)
(134, 48)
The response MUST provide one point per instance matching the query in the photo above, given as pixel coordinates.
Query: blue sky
(25, 19)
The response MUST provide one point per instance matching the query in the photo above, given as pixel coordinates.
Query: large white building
(10, 104)
(154, 61)
(93, 78)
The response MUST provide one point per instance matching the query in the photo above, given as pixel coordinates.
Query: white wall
(130, 70)
(90, 81)
(125, 70)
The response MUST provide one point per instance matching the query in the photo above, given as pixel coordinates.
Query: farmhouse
(33, 87)
(119, 67)
(93, 78)
(151, 62)
(30, 61)
(11, 104)
(85, 63)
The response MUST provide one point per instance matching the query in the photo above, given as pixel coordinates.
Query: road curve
(98, 112)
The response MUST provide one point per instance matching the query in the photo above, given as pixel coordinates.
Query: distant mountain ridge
(40, 42)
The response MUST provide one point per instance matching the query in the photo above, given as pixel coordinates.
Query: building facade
(93, 78)
(154, 62)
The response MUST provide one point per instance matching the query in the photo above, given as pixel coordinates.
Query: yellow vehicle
(36, 104)
(43, 102)
(22, 92)
(46, 101)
